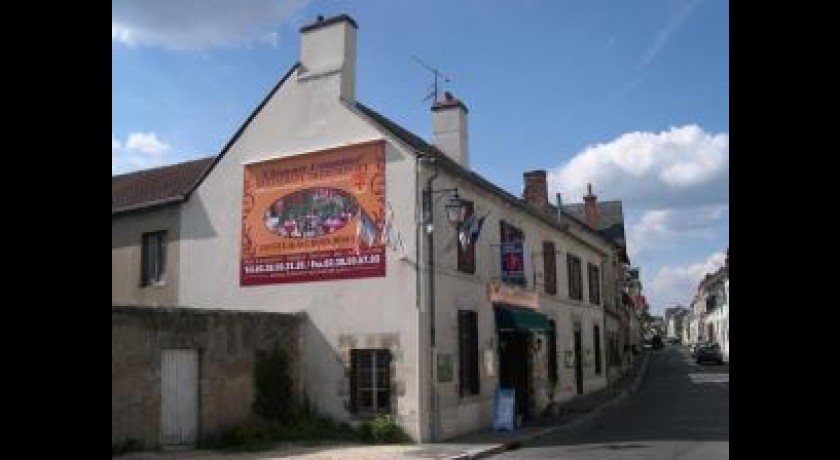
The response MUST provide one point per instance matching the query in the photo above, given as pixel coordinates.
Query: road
(680, 411)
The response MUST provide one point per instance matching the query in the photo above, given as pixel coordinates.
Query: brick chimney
(536, 189)
(590, 207)
(328, 53)
(449, 124)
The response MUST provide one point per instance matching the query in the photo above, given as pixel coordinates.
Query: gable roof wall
(148, 188)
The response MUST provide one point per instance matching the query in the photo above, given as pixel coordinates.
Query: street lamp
(455, 213)
(455, 209)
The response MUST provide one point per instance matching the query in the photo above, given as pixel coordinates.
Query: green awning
(522, 320)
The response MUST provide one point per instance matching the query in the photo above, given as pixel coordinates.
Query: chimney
(536, 189)
(590, 207)
(726, 264)
(449, 124)
(328, 52)
(559, 205)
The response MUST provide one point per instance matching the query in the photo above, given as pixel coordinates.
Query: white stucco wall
(457, 290)
(126, 257)
(303, 117)
(719, 318)
(725, 322)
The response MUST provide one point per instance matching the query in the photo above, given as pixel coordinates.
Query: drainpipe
(427, 226)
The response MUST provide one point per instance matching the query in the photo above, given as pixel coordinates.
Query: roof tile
(150, 186)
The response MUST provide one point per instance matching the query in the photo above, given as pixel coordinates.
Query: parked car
(674, 340)
(709, 352)
(695, 346)
(656, 341)
(647, 344)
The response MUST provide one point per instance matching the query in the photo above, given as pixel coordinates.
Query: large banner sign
(316, 216)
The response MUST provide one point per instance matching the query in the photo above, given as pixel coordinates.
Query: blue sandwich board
(504, 409)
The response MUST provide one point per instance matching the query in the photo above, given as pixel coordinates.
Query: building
(675, 321)
(657, 325)
(621, 318)
(406, 283)
(710, 309)
(715, 288)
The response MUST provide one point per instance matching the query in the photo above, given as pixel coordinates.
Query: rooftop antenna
(433, 94)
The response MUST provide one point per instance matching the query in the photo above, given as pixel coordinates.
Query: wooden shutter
(468, 353)
(549, 268)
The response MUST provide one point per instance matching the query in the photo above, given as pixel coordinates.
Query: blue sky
(631, 96)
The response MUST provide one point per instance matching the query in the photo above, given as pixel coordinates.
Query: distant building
(675, 321)
(710, 309)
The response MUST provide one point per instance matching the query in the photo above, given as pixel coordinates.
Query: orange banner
(315, 216)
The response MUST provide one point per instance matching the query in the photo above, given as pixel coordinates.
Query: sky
(632, 97)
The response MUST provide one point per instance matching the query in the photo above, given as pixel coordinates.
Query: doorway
(179, 397)
(513, 368)
(578, 361)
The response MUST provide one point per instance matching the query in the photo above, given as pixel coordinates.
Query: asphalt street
(680, 411)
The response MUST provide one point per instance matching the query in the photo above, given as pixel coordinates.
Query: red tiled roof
(150, 187)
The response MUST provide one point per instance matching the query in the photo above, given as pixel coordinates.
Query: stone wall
(228, 342)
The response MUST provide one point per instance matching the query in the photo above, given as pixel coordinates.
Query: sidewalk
(570, 415)
(481, 444)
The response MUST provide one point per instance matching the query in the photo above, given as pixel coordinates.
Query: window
(466, 257)
(575, 277)
(596, 338)
(153, 258)
(711, 303)
(549, 268)
(552, 352)
(370, 381)
(594, 284)
(613, 356)
(512, 254)
(468, 352)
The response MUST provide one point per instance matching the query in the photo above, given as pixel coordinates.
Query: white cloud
(140, 151)
(192, 24)
(674, 186)
(147, 143)
(660, 229)
(683, 166)
(677, 284)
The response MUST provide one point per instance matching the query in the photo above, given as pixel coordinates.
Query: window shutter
(596, 334)
(354, 369)
(473, 350)
(549, 268)
(463, 356)
(468, 369)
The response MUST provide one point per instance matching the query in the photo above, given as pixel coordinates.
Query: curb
(572, 424)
